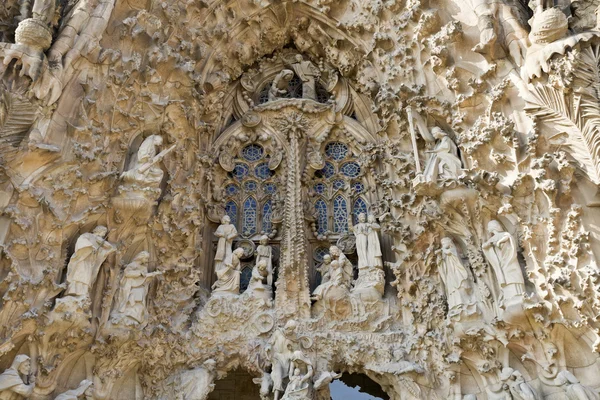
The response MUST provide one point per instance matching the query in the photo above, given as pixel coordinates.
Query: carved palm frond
(576, 116)
(16, 117)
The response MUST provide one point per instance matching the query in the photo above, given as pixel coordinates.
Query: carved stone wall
(200, 194)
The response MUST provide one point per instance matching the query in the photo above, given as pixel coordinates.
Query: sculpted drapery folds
(403, 192)
(91, 249)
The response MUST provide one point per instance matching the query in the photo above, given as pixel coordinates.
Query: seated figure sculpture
(131, 301)
(141, 183)
(257, 286)
(13, 381)
(228, 275)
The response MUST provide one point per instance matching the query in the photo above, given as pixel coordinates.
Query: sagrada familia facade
(258, 199)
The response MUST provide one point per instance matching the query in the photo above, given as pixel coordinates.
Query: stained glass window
(320, 252)
(263, 97)
(270, 188)
(327, 172)
(231, 210)
(360, 206)
(321, 214)
(249, 221)
(350, 169)
(322, 94)
(248, 192)
(250, 186)
(336, 150)
(252, 152)
(245, 277)
(231, 190)
(262, 171)
(267, 213)
(340, 215)
(338, 184)
(294, 89)
(358, 187)
(240, 171)
(320, 188)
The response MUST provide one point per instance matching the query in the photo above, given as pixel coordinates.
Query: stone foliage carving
(400, 190)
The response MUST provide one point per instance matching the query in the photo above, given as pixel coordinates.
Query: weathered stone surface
(293, 190)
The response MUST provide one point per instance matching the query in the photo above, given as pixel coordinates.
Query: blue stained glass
(360, 206)
(245, 277)
(321, 211)
(338, 184)
(250, 186)
(249, 222)
(252, 152)
(270, 188)
(358, 187)
(328, 171)
(320, 188)
(262, 171)
(320, 252)
(350, 169)
(231, 210)
(240, 171)
(340, 215)
(267, 213)
(231, 189)
(336, 150)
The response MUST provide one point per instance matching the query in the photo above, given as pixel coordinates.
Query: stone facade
(276, 193)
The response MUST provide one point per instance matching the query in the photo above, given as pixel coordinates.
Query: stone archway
(356, 387)
(237, 385)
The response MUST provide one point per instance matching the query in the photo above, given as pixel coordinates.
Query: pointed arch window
(249, 222)
(231, 209)
(267, 214)
(359, 206)
(340, 215)
(249, 191)
(340, 189)
(321, 210)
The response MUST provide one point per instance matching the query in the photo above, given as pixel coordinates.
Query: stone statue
(145, 172)
(196, 383)
(519, 389)
(361, 231)
(265, 252)
(501, 252)
(550, 374)
(84, 388)
(324, 268)
(281, 350)
(228, 275)
(279, 87)
(345, 264)
(443, 164)
(374, 246)
(226, 232)
(16, 382)
(495, 17)
(328, 269)
(257, 286)
(573, 388)
(456, 279)
(300, 376)
(130, 307)
(308, 74)
(91, 249)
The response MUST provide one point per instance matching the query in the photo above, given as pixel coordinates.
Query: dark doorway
(237, 385)
(356, 387)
